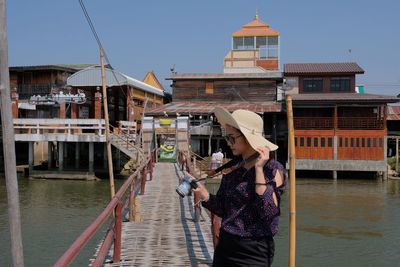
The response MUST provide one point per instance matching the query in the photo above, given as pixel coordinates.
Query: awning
(203, 107)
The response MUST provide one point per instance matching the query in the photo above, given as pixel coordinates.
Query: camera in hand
(188, 183)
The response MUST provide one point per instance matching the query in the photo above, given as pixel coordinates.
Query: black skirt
(236, 251)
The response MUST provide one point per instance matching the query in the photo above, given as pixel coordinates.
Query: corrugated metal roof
(393, 113)
(216, 76)
(92, 77)
(202, 107)
(62, 67)
(344, 97)
(317, 68)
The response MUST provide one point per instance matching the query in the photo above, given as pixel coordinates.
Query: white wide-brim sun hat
(249, 123)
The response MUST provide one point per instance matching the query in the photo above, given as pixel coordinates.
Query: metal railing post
(143, 182)
(131, 204)
(151, 166)
(117, 233)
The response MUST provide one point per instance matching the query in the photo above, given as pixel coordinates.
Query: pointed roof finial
(256, 14)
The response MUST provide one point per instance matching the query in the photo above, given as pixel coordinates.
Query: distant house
(74, 92)
(336, 129)
(39, 80)
(249, 80)
(127, 97)
(152, 80)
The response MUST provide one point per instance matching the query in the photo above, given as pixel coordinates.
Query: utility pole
(105, 106)
(9, 145)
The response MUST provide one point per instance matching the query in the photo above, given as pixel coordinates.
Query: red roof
(318, 68)
(393, 113)
(256, 28)
(343, 97)
(221, 76)
(203, 107)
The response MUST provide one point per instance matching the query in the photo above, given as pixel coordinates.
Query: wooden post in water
(292, 180)
(9, 145)
(105, 106)
(397, 155)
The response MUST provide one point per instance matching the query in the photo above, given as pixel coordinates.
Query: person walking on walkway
(216, 159)
(248, 200)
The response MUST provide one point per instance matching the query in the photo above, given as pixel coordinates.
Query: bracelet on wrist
(261, 184)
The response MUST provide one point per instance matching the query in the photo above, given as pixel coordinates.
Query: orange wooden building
(336, 129)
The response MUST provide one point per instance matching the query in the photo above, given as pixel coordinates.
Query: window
(237, 43)
(261, 41)
(308, 141)
(351, 142)
(322, 141)
(272, 40)
(301, 141)
(209, 88)
(357, 142)
(295, 141)
(368, 142)
(315, 141)
(329, 141)
(340, 84)
(248, 42)
(346, 142)
(363, 142)
(312, 85)
(380, 142)
(374, 142)
(243, 43)
(340, 142)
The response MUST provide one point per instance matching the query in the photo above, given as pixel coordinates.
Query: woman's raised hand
(262, 158)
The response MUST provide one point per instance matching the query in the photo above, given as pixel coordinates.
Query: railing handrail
(126, 140)
(116, 204)
(58, 121)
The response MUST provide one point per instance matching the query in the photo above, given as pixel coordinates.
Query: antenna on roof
(172, 69)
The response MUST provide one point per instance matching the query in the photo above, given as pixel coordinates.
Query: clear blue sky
(139, 36)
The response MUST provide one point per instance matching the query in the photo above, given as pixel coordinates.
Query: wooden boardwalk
(166, 235)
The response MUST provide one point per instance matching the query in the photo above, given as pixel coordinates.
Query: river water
(339, 223)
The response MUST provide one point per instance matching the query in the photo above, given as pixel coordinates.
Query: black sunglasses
(231, 139)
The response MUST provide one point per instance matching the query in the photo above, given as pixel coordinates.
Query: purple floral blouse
(243, 211)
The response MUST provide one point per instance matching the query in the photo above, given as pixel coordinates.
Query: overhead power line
(92, 28)
(96, 36)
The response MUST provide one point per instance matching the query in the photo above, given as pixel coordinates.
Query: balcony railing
(313, 123)
(360, 123)
(342, 123)
(25, 91)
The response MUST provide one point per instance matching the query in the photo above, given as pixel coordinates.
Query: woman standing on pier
(248, 199)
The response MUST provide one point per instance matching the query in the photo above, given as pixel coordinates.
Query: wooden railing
(342, 123)
(59, 126)
(360, 123)
(313, 123)
(117, 204)
(126, 140)
(25, 91)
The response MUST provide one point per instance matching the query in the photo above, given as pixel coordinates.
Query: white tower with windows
(255, 49)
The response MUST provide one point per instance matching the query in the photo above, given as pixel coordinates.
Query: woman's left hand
(262, 158)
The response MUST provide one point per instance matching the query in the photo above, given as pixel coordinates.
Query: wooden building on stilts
(337, 129)
(67, 138)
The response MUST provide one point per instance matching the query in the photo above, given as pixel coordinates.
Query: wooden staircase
(125, 144)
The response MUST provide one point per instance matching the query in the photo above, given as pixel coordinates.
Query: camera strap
(232, 165)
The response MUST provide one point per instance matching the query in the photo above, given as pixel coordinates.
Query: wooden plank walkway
(167, 234)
